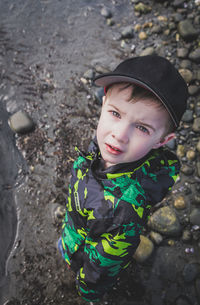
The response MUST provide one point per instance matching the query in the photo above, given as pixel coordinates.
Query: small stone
(110, 22)
(165, 222)
(127, 32)
(142, 35)
(195, 55)
(193, 90)
(187, 170)
(186, 236)
(196, 125)
(187, 30)
(89, 74)
(187, 116)
(185, 64)
(179, 203)
(195, 217)
(147, 51)
(156, 237)
(180, 151)
(144, 249)
(190, 272)
(156, 29)
(198, 146)
(182, 52)
(171, 144)
(20, 122)
(191, 155)
(198, 168)
(186, 74)
(105, 12)
(142, 8)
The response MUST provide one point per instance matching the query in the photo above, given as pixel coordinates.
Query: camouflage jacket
(106, 211)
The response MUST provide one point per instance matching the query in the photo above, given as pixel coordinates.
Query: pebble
(186, 236)
(144, 249)
(106, 12)
(142, 8)
(180, 151)
(187, 116)
(190, 272)
(187, 30)
(127, 32)
(196, 125)
(198, 168)
(156, 237)
(148, 51)
(165, 222)
(195, 217)
(193, 89)
(186, 74)
(171, 144)
(198, 146)
(187, 170)
(142, 35)
(185, 64)
(191, 155)
(182, 52)
(20, 122)
(179, 203)
(89, 74)
(195, 55)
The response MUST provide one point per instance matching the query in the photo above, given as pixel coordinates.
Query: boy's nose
(120, 133)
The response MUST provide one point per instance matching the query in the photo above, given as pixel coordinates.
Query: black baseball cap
(154, 73)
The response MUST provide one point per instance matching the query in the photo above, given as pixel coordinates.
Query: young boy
(124, 173)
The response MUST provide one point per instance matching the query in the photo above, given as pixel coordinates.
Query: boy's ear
(166, 139)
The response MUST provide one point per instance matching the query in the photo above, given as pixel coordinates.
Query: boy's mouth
(112, 149)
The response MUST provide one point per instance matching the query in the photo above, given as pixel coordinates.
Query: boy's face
(127, 131)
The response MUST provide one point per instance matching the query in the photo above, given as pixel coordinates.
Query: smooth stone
(180, 151)
(186, 74)
(198, 168)
(142, 35)
(191, 155)
(179, 203)
(193, 89)
(142, 8)
(144, 249)
(148, 51)
(182, 52)
(187, 116)
(185, 64)
(187, 170)
(195, 55)
(198, 146)
(99, 93)
(105, 12)
(190, 272)
(195, 217)
(127, 32)
(156, 29)
(171, 144)
(187, 30)
(165, 222)
(186, 236)
(20, 122)
(89, 74)
(156, 237)
(196, 125)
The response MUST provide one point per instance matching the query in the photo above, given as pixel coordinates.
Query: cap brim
(108, 79)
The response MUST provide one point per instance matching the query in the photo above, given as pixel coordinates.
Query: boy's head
(145, 99)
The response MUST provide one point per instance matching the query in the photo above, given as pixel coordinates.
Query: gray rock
(195, 217)
(185, 64)
(195, 55)
(186, 74)
(190, 272)
(187, 30)
(182, 52)
(165, 222)
(193, 89)
(147, 51)
(127, 32)
(20, 122)
(198, 168)
(187, 170)
(89, 74)
(106, 12)
(196, 125)
(171, 144)
(186, 236)
(187, 116)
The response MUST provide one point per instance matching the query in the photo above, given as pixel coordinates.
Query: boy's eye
(143, 129)
(115, 113)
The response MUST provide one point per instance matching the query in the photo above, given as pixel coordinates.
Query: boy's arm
(104, 258)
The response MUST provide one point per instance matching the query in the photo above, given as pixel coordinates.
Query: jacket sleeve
(105, 256)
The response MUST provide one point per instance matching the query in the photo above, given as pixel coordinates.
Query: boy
(124, 173)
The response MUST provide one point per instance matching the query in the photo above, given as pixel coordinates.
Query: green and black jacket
(106, 212)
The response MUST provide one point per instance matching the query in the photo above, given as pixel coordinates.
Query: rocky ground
(49, 53)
